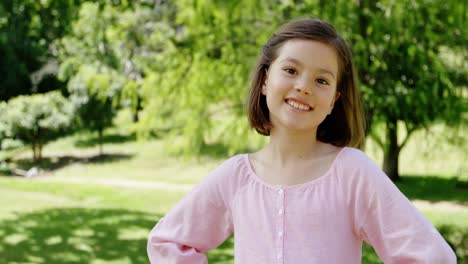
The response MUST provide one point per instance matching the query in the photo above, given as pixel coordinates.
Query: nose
(302, 90)
(303, 86)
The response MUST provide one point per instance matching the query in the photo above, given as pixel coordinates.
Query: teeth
(298, 106)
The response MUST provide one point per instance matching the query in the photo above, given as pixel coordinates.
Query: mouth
(299, 106)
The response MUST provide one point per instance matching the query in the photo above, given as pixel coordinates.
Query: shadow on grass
(434, 189)
(51, 164)
(106, 139)
(81, 235)
(75, 235)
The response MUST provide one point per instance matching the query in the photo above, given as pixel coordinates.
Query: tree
(405, 77)
(91, 96)
(103, 59)
(204, 78)
(5, 128)
(37, 119)
(27, 31)
(183, 66)
(91, 65)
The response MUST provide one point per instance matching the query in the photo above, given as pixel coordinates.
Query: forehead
(312, 54)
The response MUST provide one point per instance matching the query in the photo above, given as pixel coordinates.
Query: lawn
(91, 209)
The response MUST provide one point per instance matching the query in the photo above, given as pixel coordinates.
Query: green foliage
(406, 77)
(91, 95)
(105, 55)
(5, 129)
(457, 239)
(206, 77)
(183, 67)
(27, 31)
(401, 62)
(37, 119)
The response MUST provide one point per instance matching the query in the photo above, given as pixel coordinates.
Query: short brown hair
(345, 125)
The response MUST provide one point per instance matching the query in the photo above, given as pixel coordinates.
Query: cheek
(278, 86)
(328, 97)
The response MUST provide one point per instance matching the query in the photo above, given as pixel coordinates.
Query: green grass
(139, 161)
(85, 222)
(75, 235)
(441, 188)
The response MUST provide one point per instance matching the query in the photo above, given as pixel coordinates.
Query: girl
(308, 196)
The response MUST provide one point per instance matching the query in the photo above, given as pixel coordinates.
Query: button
(280, 233)
(279, 255)
(280, 212)
(280, 191)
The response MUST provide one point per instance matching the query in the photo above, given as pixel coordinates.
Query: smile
(299, 106)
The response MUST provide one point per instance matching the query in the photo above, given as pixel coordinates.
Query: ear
(265, 80)
(337, 95)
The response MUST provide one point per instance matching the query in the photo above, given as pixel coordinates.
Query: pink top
(321, 221)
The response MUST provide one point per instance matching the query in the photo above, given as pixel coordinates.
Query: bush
(457, 238)
(37, 119)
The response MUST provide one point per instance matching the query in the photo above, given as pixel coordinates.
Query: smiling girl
(309, 196)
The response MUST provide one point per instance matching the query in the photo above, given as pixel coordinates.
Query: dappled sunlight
(76, 235)
(80, 235)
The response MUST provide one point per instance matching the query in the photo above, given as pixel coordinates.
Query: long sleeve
(200, 222)
(392, 225)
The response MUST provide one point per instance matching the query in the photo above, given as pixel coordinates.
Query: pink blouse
(321, 221)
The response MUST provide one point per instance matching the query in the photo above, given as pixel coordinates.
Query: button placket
(280, 226)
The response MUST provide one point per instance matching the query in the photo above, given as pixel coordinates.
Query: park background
(111, 110)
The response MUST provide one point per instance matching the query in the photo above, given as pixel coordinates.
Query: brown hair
(345, 125)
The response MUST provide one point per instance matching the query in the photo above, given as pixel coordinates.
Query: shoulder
(355, 159)
(353, 154)
(223, 182)
(229, 172)
(363, 181)
(229, 166)
(358, 169)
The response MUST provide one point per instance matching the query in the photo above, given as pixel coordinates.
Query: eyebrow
(296, 61)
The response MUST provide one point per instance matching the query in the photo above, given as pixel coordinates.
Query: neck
(287, 146)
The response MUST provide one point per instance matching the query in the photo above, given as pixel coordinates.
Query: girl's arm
(392, 225)
(200, 222)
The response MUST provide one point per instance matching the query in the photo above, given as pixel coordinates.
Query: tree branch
(408, 135)
(377, 140)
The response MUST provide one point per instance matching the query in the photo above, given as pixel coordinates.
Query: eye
(322, 81)
(291, 71)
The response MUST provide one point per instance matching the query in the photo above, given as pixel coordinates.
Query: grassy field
(93, 209)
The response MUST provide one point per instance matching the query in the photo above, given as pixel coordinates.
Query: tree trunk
(137, 110)
(33, 145)
(39, 150)
(39, 144)
(100, 132)
(392, 151)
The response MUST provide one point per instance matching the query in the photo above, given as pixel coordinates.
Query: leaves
(36, 119)
(183, 67)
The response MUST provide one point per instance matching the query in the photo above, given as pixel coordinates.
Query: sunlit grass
(44, 221)
(30, 195)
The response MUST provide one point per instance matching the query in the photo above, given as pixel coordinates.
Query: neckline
(324, 176)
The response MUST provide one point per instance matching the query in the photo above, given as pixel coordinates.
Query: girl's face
(300, 85)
